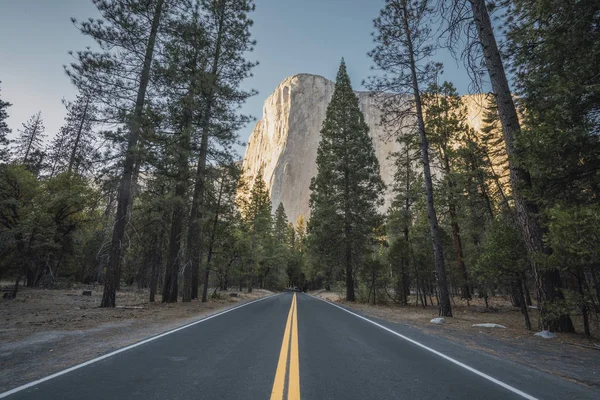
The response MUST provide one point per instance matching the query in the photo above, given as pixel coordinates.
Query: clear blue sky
(294, 36)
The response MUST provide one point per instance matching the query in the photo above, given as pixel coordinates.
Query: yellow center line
(294, 378)
(290, 335)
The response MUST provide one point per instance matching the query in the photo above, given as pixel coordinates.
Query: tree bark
(33, 134)
(212, 241)
(461, 268)
(547, 281)
(156, 262)
(180, 207)
(583, 306)
(114, 262)
(407, 205)
(523, 305)
(170, 286)
(194, 231)
(445, 309)
(78, 137)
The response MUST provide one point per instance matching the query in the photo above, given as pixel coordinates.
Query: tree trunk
(461, 268)
(114, 262)
(515, 293)
(212, 240)
(348, 242)
(78, 137)
(583, 306)
(406, 264)
(547, 282)
(349, 279)
(31, 138)
(445, 309)
(523, 305)
(170, 286)
(16, 287)
(250, 278)
(194, 232)
(195, 271)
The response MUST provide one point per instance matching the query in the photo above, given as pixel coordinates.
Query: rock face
(284, 142)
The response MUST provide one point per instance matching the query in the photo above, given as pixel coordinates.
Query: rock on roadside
(489, 325)
(546, 334)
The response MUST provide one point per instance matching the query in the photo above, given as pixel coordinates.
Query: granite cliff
(284, 141)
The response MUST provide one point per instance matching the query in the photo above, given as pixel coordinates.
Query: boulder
(487, 325)
(546, 334)
(439, 320)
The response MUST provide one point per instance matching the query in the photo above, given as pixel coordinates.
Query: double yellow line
(289, 350)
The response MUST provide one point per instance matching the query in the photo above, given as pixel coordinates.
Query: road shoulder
(559, 357)
(42, 335)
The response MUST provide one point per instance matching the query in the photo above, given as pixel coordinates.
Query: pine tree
(222, 215)
(72, 149)
(81, 116)
(27, 147)
(527, 209)
(556, 77)
(258, 222)
(280, 230)
(347, 189)
(557, 81)
(227, 24)
(57, 152)
(404, 39)
(182, 79)
(407, 189)
(4, 131)
(127, 42)
(445, 125)
(300, 234)
(494, 153)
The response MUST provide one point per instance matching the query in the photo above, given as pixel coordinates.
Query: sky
(293, 36)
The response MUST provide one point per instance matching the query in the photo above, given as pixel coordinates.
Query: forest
(142, 186)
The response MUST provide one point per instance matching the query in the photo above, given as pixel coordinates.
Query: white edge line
(131, 346)
(437, 353)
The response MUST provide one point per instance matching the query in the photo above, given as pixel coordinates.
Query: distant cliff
(284, 142)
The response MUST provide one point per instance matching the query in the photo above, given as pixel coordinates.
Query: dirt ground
(45, 331)
(571, 356)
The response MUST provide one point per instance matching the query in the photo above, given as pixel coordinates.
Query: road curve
(296, 346)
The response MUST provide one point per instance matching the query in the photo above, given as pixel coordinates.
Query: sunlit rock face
(284, 142)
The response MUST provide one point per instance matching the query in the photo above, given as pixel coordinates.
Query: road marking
(452, 360)
(34, 383)
(289, 351)
(279, 383)
(294, 379)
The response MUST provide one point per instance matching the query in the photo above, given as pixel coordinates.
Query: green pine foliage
(347, 189)
(4, 131)
(557, 78)
(164, 205)
(29, 144)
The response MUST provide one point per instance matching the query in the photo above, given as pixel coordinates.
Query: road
(296, 346)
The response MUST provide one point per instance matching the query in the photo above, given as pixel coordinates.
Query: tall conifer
(348, 188)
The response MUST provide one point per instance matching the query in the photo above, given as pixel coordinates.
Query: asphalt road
(293, 347)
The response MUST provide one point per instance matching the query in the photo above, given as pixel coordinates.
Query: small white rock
(439, 320)
(546, 334)
(490, 325)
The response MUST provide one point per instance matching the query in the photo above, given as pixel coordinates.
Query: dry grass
(44, 331)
